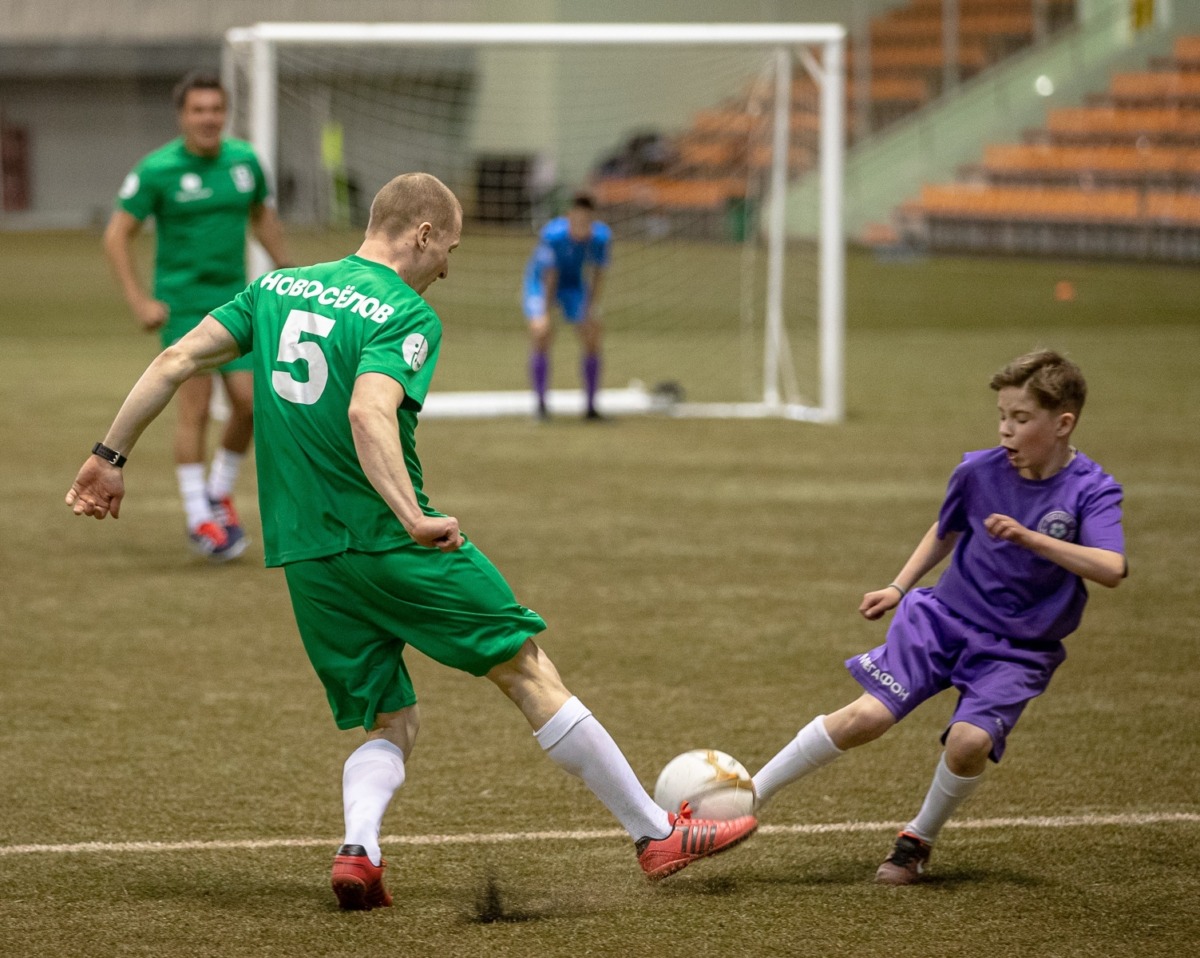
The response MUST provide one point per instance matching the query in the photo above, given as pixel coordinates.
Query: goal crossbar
(262, 40)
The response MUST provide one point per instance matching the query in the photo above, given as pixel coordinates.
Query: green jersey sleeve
(405, 347)
(138, 195)
(237, 317)
(262, 189)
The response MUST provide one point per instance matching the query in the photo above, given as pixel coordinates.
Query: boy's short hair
(196, 80)
(1053, 380)
(584, 200)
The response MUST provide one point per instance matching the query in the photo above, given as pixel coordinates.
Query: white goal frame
(789, 41)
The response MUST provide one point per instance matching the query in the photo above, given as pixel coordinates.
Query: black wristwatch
(110, 456)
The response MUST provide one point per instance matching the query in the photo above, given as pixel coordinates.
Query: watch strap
(110, 456)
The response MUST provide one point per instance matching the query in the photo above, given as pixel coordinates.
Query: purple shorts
(928, 648)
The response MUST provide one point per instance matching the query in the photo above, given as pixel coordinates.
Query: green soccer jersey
(313, 331)
(201, 206)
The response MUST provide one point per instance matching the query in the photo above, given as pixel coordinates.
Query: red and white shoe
(691, 839)
(356, 882)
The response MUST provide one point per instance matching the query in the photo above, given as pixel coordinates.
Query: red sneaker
(225, 516)
(357, 883)
(906, 863)
(208, 538)
(689, 840)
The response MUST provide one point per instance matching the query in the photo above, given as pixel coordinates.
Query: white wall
(85, 137)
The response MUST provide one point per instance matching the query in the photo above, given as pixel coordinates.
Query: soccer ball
(714, 784)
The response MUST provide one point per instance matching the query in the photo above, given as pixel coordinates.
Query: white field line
(497, 838)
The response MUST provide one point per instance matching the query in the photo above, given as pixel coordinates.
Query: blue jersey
(556, 250)
(1003, 587)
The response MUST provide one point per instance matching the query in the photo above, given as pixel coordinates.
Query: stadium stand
(726, 145)
(1119, 177)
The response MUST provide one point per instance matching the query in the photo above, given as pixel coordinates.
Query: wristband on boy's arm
(899, 588)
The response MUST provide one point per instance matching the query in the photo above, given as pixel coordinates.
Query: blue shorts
(572, 300)
(929, 649)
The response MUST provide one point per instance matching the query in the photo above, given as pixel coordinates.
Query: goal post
(690, 136)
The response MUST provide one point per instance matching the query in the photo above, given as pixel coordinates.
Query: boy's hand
(1007, 528)
(875, 604)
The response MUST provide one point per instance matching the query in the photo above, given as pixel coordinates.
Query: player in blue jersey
(567, 268)
(1024, 524)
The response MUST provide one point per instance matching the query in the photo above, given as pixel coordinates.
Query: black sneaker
(906, 863)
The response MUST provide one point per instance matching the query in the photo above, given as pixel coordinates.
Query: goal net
(691, 138)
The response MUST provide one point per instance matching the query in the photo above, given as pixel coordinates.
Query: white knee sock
(577, 742)
(223, 472)
(195, 499)
(809, 750)
(946, 792)
(370, 778)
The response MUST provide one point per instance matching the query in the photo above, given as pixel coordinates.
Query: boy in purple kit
(1025, 523)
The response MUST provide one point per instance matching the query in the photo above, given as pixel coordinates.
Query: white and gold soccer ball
(714, 784)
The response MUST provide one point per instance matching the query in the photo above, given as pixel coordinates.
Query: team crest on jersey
(243, 178)
(416, 350)
(130, 186)
(1058, 525)
(191, 187)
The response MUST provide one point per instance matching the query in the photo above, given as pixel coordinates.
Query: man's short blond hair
(409, 199)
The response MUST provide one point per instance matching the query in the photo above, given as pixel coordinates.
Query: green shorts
(356, 612)
(179, 325)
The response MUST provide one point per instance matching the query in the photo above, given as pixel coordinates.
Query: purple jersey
(1003, 587)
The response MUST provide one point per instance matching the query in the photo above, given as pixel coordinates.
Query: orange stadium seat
(1053, 163)
(710, 153)
(1155, 87)
(1186, 52)
(929, 56)
(1113, 124)
(1174, 208)
(1023, 203)
(928, 28)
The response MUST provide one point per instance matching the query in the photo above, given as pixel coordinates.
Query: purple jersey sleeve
(953, 514)
(1101, 525)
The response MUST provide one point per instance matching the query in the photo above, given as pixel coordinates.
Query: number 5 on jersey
(292, 350)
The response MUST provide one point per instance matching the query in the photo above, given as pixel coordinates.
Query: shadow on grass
(850, 874)
(490, 908)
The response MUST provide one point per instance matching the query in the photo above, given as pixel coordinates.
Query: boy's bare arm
(930, 551)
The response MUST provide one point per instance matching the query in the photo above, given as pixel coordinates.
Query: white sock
(577, 742)
(370, 778)
(809, 750)
(223, 472)
(946, 792)
(195, 498)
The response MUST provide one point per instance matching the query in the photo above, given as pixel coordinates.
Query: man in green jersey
(343, 355)
(202, 189)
